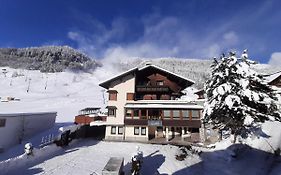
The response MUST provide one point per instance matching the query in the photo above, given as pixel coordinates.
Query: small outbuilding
(16, 127)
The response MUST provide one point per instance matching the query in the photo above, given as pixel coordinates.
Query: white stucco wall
(131, 136)
(122, 88)
(23, 126)
(116, 136)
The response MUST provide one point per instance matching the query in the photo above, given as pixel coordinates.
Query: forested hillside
(47, 59)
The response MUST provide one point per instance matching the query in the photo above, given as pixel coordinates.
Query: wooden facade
(154, 84)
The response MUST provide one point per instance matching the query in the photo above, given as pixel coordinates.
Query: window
(2, 122)
(113, 129)
(176, 114)
(185, 114)
(167, 114)
(143, 113)
(143, 130)
(160, 83)
(111, 111)
(130, 96)
(136, 130)
(120, 130)
(112, 95)
(129, 113)
(136, 113)
(195, 113)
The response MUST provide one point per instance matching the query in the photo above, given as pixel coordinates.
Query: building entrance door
(151, 132)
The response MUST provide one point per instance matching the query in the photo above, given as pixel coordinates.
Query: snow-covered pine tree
(238, 98)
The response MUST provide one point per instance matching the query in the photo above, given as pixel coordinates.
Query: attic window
(160, 83)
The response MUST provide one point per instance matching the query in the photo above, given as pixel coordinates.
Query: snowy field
(68, 92)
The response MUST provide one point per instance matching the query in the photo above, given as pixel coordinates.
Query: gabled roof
(169, 72)
(107, 83)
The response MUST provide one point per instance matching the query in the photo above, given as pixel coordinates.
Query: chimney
(148, 63)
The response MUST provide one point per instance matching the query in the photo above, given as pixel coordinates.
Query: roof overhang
(185, 81)
(106, 83)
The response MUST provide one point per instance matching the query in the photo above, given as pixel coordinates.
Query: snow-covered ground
(68, 92)
(90, 156)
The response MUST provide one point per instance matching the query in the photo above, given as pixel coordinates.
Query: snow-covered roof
(98, 123)
(273, 76)
(106, 83)
(24, 114)
(199, 91)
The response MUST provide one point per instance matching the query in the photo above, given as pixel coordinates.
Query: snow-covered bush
(238, 98)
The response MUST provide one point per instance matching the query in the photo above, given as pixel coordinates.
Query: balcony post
(167, 133)
(182, 133)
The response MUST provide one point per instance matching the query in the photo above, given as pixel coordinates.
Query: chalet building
(275, 79)
(143, 105)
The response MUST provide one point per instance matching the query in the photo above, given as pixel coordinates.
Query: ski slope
(64, 92)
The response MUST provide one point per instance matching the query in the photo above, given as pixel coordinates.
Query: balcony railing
(165, 122)
(142, 88)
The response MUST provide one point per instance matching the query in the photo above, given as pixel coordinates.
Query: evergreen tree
(238, 98)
